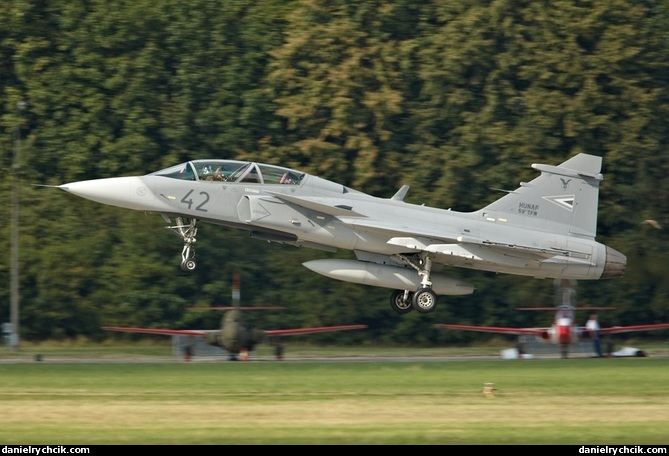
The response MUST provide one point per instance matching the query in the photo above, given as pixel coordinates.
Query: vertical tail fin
(564, 199)
(236, 290)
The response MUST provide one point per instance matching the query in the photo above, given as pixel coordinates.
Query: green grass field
(541, 401)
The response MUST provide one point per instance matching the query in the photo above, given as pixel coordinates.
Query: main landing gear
(424, 300)
(186, 230)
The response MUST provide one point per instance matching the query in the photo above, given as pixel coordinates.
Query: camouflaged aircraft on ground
(235, 335)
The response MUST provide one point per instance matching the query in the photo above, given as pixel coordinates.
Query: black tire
(399, 304)
(424, 300)
(188, 265)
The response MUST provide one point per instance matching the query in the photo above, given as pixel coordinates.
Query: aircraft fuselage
(260, 209)
(544, 229)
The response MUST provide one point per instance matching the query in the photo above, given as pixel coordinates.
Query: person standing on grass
(593, 329)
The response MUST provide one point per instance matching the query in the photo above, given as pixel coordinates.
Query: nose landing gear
(186, 229)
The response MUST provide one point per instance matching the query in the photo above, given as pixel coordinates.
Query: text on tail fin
(562, 200)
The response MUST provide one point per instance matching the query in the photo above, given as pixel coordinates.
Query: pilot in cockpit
(287, 178)
(205, 173)
(218, 175)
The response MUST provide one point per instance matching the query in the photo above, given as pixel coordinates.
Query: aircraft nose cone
(616, 263)
(126, 192)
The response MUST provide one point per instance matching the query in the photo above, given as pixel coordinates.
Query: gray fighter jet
(546, 228)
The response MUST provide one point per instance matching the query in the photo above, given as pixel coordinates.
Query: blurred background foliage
(452, 98)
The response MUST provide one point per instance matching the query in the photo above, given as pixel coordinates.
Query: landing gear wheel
(188, 265)
(186, 229)
(399, 303)
(424, 300)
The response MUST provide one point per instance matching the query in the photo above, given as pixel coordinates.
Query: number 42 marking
(189, 201)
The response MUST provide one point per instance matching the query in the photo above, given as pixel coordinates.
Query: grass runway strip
(576, 401)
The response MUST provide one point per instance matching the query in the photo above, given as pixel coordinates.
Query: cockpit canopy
(566, 312)
(231, 171)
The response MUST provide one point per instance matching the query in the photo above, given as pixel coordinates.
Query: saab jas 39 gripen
(545, 229)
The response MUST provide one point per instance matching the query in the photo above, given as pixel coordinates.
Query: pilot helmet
(206, 169)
